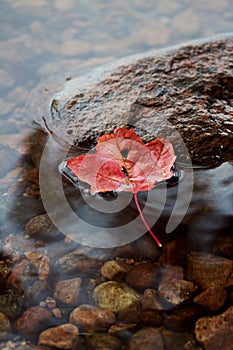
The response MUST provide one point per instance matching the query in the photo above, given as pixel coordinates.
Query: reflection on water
(42, 44)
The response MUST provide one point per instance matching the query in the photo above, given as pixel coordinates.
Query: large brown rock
(188, 87)
(216, 332)
(33, 321)
(208, 270)
(64, 336)
(148, 339)
(91, 318)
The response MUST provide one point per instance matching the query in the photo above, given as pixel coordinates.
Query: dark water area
(42, 45)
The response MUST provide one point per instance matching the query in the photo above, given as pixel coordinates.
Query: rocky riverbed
(59, 294)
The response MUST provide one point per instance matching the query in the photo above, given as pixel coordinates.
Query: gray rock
(187, 87)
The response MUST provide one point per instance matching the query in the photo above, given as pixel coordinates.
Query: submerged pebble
(115, 296)
(41, 227)
(33, 321)
(208, 270)
(212, 299)
(147, 339)
(68, 291)
(144, 275)
(92, 318)
(102, 341)
(215, 332)
(64, 336)
(5, 326)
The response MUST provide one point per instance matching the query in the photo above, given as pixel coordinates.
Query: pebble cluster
(74, 297)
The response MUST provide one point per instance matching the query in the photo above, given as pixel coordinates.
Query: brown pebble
(176, 291)
(147, 248)
(216, 332)
(173, 254)
(212, 298)
(182, 320)
(144, 275)
(152, 300)
(41, 227)
(91, 318)
(224, 246)
(207, 270)
(129, 315)
(33, 321)
(122, 330)
(113, 270)
(174, 340)
(68, 291)
(102, 341)
(115, 296)
(147, 339)
(57, 312)
(127, 251)
(61, 337)
(75, 262)
(5, 326)
(50, 302)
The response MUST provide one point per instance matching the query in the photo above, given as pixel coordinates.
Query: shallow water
(44, 43)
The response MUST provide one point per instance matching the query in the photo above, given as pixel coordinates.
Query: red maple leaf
(123, 162)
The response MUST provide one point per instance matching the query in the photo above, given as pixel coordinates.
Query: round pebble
(115, 296)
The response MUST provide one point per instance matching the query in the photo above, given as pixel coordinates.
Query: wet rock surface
(61, 337)
(148, 339)
(5, 326)
(212, 298)
(41, 227)
(216, 332)
(33, 321)
(189, 89)
(115, 296)
(91, 318)
(143, 276)
(102, 342)
(68, 291)
(207, 270)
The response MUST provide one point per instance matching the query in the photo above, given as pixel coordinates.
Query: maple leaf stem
(144, 221)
